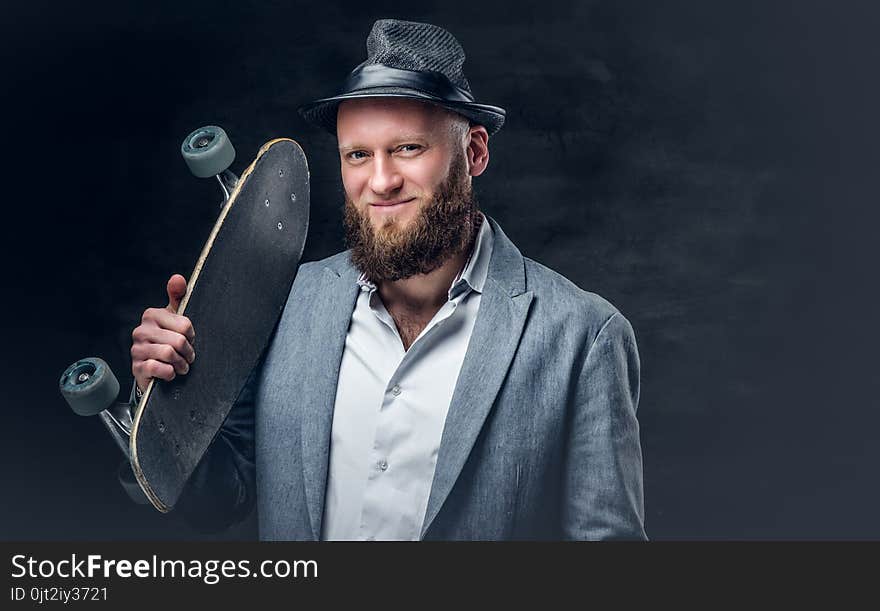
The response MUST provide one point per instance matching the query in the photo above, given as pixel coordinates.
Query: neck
(425, 292)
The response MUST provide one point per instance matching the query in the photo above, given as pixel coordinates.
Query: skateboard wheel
(88, 386)
(207, 151)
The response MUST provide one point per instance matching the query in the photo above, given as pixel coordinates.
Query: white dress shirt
(391, 407)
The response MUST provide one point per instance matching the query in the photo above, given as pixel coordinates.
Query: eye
(356, 155)
(409, 148)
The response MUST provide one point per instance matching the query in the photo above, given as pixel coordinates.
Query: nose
(385, 178)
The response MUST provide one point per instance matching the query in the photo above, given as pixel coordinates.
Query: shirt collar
(473, 275)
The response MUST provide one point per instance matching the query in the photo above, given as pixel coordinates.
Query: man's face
(409, 204)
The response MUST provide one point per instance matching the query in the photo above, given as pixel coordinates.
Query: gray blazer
(541, 439)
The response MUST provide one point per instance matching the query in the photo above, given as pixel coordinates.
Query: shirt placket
(384, 512)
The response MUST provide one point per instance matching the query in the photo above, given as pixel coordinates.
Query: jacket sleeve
(602, 482)
(222, 490)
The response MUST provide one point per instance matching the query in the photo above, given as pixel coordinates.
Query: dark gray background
(708, 167)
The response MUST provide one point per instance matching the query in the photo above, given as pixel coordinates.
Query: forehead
(370, 119)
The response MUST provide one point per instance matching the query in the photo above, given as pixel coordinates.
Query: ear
(477, 150)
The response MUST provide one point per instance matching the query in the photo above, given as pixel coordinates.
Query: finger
(176, 289)
(177, 341)
(166, 320)
(184, 354)
(155, 369)
(162, 353)
(154, 334)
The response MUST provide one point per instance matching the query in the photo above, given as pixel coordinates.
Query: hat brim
(322, 113)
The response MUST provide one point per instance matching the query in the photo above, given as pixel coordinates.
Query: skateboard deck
(234, 299)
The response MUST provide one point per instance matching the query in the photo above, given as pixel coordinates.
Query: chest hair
(410, 325)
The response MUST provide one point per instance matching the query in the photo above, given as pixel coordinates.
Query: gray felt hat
(409, 60)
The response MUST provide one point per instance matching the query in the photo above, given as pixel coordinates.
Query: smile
(391, 206)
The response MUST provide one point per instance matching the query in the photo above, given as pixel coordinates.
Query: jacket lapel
(334, 307)
(504, 306)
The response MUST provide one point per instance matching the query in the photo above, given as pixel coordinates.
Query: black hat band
(432, 83)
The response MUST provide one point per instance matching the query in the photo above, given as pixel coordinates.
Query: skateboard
(234, 298)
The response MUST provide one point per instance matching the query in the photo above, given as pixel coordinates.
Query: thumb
(176, 290)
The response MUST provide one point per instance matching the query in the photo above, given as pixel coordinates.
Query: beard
(443, 227)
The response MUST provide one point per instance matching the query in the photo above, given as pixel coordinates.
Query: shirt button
(395, 390)
(383, 465)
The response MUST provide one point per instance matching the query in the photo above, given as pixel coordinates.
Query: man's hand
(162, 344)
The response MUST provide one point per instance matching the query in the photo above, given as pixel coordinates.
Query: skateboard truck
(90, 389)
(88, 385)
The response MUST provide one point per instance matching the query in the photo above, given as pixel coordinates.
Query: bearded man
(430, 382)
